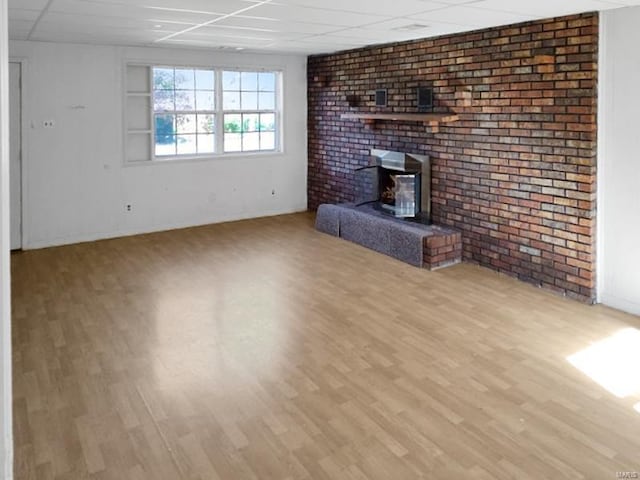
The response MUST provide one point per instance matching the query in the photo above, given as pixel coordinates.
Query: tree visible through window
(184, 111)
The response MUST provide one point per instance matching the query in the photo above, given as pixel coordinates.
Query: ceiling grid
(283, 26)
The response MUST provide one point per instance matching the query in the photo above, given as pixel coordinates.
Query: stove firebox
(396, 183)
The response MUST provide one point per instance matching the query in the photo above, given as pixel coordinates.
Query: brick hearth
(516, 174)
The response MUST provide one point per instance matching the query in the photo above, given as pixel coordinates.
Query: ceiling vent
(412, 27)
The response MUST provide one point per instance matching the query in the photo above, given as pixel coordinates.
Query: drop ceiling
(292, 26)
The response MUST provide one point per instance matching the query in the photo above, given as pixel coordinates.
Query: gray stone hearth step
(427, 246)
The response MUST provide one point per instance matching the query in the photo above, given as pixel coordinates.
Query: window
(249, 100)
(183, 112)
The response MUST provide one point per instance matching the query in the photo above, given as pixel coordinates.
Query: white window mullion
(279, 88)
(152, 113)
(219, 118)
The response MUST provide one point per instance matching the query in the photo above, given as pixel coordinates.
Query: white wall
(6, 438)
(76, 185)
(619, 160)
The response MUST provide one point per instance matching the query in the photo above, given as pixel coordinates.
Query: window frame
(276, 108)
(175, 113)
(218, 112)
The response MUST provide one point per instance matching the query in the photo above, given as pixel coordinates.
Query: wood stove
(397, 183)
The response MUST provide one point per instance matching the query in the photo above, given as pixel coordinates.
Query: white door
(15, 146)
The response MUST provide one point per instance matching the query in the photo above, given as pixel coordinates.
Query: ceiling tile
(23, 14)
(278, 25)
(144, 35)
(394, 30)
(96, 38)
(197, 6)
(471, 16)
(225, 37)
(315, 15)
(234, 33)
(70, 22)
(19, 29)
(103, 9)
(315, 47)
(402, 24)
(544, 8)
(28, 4)
(459, 2)
(337, 40)
(387, 8)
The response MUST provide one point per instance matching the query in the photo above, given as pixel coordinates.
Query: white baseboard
(94, 236)
(620, 303)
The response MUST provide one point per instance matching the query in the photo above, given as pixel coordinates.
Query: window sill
(203, 158)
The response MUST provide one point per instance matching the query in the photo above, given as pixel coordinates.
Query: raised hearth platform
(426, 246)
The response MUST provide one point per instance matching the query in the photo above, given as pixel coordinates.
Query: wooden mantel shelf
(432, 120)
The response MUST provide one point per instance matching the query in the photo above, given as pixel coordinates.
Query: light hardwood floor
(265, 350)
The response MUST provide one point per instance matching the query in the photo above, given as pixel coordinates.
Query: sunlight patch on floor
(614, 363)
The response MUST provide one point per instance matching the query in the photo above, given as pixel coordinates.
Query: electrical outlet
(128, 207)
(48, 124)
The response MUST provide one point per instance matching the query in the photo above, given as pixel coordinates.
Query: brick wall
(516, 174)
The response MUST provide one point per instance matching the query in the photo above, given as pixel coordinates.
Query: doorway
(15, 154)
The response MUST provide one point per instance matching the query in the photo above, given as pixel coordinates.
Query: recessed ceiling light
(410, 27)
(239, 48)
(157, 26)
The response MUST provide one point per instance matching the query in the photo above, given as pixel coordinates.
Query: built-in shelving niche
(138, 114)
